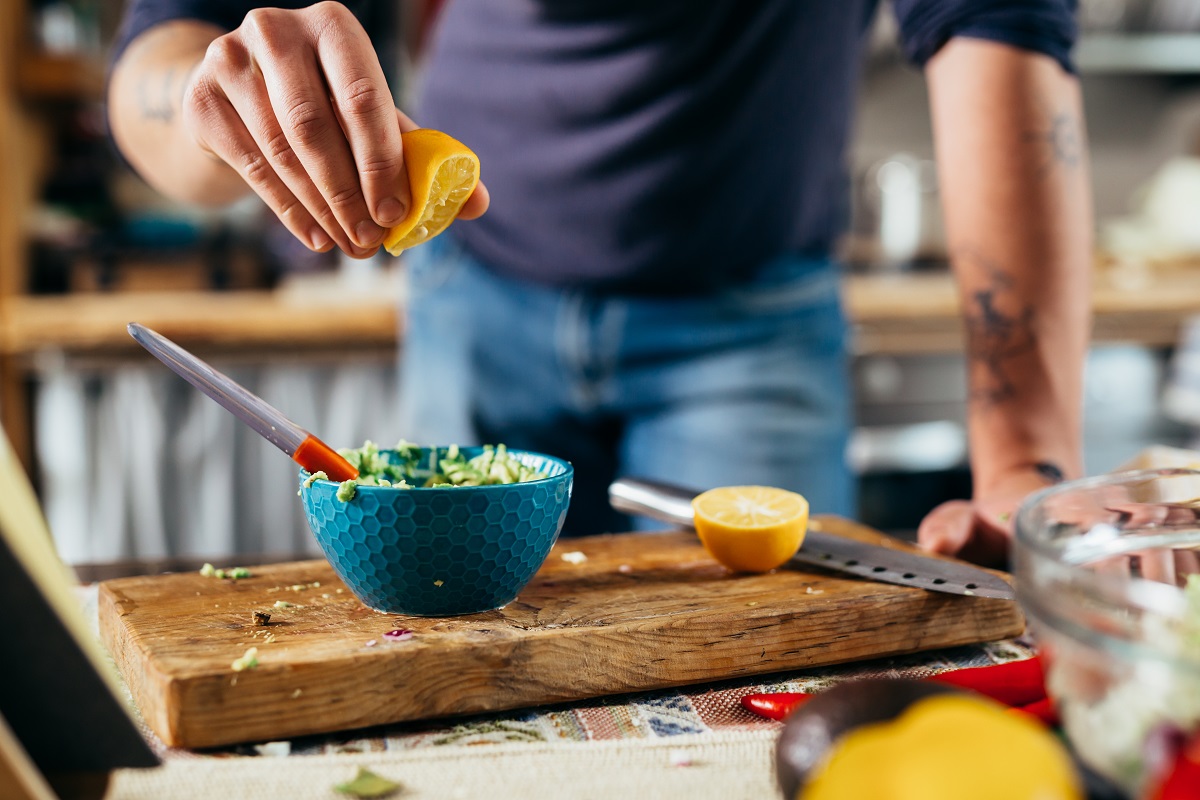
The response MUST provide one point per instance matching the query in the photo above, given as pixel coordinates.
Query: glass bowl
(1108, 573)
(441, 551)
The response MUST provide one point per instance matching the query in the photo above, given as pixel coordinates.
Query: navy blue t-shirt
(665, 146)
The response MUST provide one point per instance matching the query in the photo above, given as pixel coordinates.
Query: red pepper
(1017, 683)
(774, 706)
(1043, 711)
(1182, 781)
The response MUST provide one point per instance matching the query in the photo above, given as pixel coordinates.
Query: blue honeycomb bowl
(442, 551)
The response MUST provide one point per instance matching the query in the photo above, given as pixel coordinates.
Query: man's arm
(1013, 168)
(145, 108)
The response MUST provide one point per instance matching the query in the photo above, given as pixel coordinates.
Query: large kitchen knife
(673, 504)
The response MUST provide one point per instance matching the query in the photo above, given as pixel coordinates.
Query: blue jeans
(749, 386)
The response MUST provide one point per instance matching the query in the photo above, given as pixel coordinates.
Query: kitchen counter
(894, 313)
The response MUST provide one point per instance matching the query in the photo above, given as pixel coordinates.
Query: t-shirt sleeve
(142, 15)
(1042, 26)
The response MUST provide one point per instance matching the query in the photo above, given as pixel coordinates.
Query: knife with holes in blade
(673, 504)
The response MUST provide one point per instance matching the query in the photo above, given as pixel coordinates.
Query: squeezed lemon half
(442, 174)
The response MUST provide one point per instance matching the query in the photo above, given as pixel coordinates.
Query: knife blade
(673, 504)
(264, 419)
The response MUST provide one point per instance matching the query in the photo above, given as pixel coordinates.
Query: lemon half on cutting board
(750, 528)
(442, 174)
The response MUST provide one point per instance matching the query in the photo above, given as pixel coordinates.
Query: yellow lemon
(945, 748)
(442, 173)
(750, 528)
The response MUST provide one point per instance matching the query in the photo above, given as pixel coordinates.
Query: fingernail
(390, 211)
(320, 241)
(367, 233)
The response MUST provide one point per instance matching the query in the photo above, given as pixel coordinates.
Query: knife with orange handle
(267, 421)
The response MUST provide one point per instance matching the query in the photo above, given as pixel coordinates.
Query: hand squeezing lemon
(750, 528)
(442, 174)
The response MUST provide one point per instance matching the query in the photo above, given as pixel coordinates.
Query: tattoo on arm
(1060, 142)
(155, 96)
(995, 335)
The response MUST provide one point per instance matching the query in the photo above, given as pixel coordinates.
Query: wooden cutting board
(643, 611)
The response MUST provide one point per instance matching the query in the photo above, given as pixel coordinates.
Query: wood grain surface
(643, 611)
(891, 313)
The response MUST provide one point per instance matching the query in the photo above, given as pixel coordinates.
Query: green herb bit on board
(247, 661)
(368, 784)
(209, 571)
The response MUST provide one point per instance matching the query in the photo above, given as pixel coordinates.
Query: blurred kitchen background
(132, 462)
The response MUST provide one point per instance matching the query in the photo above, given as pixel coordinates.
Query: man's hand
(292, 104)
(980, 530)
(296, 103)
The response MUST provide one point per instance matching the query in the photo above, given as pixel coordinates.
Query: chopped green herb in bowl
(408, 466)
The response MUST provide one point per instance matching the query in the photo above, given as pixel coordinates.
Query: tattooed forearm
(1059, 143)
(156, 96)
(997, 333)
(994, 337)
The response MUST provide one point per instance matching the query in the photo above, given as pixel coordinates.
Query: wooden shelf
(1136, 304)
(893, 314)
(207, 322)
(1168, 290)
(45, 76)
